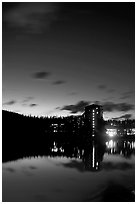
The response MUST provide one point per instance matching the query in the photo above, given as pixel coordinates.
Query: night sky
(60, 57)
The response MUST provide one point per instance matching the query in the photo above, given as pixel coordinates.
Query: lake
(83, 176)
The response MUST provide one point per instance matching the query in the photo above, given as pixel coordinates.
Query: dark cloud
(96, 102)
(128, 92)
(107, 106)
(126, 116)
(127, 95)
(120, 166)
(109, 166)
(124, 97)
(33, 167)
(33, 104)
(108, 98)
(74, 165)
(58, 82)
(111, 90)
(57, 108)
(29, 98)
(78, 107)
(102, 86)
(41, 75)
(11, 170)
(10, 102)
(73, 93)
(30, 17)
(110, 107)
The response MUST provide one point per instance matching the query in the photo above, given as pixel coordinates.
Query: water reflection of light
(124, 144)
(54, 149)
(111, 144)
(93, 156)
(133, 144)
(61, 149)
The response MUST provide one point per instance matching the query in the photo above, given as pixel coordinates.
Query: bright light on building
(111, 132)
(131, 131)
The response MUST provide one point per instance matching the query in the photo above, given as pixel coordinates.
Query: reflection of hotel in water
(124, 147)
(93, 157)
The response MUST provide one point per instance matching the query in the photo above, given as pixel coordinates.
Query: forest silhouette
(26, 135)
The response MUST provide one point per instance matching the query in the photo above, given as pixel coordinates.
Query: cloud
(78, 107)
(111, 90)
(29, 98)
(33, 167)
(124, 107)
(127, 95)
(73, 93)
(102, 86)
(30, 105)
(107, 106)
(32, 17)
(108, 98)
(58, 82)
(78, 165)
(109, 166)
(10, 102)
(119, 165)
(41, 75)
(11, 170)
(33, 104)
(126, 116)
(124, 97)
(57, 108)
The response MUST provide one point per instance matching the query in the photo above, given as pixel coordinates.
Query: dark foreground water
(82, 177)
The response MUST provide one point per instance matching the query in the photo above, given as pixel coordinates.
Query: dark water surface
(82, 176)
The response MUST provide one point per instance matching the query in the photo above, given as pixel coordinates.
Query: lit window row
(93, 123)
